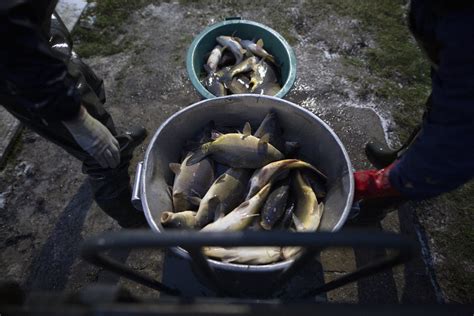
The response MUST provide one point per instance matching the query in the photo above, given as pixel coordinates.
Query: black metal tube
(193, 241)
(367, 270)
(93, 256)
(148, 239)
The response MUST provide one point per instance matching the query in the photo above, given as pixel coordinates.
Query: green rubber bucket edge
(190, 56)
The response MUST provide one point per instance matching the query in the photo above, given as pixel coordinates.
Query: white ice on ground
(70, 11)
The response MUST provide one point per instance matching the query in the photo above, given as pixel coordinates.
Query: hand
(95, 139)
(373, 184)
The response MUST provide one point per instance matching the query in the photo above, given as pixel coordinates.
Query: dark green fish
(275, 205)
(287, 218)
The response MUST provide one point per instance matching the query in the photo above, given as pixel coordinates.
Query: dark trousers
(111, 187)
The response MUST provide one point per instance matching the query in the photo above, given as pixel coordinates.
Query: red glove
(373, 184)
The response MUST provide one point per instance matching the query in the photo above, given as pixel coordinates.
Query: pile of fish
(261, 187)
(237, 66)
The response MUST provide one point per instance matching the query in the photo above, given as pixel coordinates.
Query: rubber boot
(130, 140)
(380, 155)
(120, 208)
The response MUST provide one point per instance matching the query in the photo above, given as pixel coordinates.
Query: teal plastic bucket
(274, 43)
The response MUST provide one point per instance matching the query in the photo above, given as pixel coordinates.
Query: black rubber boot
(131, 139)
(120, 208)
(379, 154)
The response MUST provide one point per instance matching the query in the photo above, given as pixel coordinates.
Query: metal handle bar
(92, 251)
(136, 198)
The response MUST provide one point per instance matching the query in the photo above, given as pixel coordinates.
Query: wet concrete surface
(49, 210)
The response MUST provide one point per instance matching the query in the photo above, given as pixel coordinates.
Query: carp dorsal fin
(263, 144)
(265, 138)
(175, 167)
(199, 155)
(291, 148)
(260, 43)
(247, 130)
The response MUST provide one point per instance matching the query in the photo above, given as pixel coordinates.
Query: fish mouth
(165, 217)
(265, 225)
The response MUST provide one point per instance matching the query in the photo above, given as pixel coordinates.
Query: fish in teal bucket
(274, 44)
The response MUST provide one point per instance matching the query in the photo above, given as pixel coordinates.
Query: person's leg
(111, 187)
(380, 155)
(61, 41)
